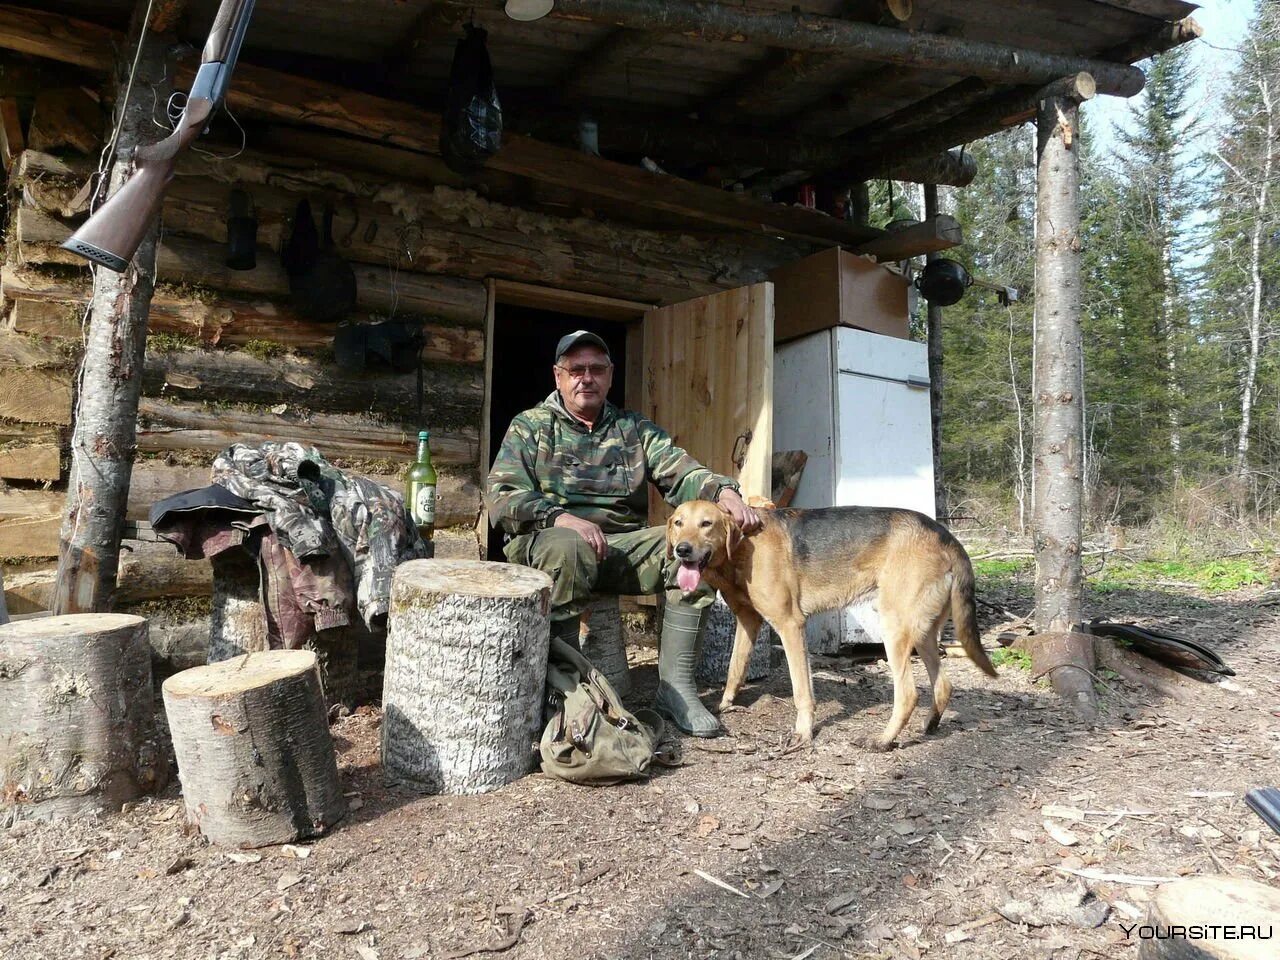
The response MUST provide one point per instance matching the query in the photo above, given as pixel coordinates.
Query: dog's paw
(730, 707)
(877, 745)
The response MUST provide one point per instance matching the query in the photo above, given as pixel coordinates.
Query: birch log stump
(1251, 909)
(465, 674)
(254, 755)
(77, 731)
(717, 648)
(604, 644)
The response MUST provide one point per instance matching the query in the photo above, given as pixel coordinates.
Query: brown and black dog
(908, 568)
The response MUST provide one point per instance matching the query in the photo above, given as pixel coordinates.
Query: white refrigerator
(857, 404)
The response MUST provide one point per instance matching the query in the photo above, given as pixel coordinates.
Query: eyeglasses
(580, 370)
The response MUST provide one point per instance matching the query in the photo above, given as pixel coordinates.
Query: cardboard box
(838, 288)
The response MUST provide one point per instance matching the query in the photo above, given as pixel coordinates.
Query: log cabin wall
(229, 359)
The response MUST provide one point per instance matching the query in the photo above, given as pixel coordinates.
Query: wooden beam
(611, 54)
(567, 301)
(1165, 37)
(939, 232)
(433, 21)
(864, 41)
(302, 100)
(951, 167)
(55, 37)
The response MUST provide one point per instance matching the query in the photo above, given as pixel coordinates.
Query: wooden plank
(65, 117)
(569, 301)
(168, 425)
(12, 141)
(35, 396)
(29, 522)
(939, 232)
(708, 381)
(30, 452)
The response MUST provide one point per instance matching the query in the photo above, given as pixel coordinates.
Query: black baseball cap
(576, 339)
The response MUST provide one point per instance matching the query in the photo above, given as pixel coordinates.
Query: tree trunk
(1211, 902)
(1057, 496)
(604, 643)
(935, 374)
(103, 442)
(465, 674)
(717, 648)
(254, 755)
(77, 733)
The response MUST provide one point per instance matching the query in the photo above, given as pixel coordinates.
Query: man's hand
(587, 530)
(742, 515)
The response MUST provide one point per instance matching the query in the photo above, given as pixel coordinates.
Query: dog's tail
(964, 612)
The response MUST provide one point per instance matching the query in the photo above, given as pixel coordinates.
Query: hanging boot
(567, 630)
(682, 627)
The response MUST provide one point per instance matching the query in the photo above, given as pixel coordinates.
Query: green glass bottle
(420, 489)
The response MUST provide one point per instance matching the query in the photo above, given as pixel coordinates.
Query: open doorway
(524, 340)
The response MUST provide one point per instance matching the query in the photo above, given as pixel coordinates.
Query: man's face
(583, 377)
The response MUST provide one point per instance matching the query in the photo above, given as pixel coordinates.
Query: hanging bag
(472, 129)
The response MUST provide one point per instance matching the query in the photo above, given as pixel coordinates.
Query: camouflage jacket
(549, 464)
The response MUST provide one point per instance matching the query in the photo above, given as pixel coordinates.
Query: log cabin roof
(744, 105)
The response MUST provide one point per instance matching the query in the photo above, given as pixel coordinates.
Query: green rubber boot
(682, 627)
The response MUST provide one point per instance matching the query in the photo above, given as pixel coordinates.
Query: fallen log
(77, 735)
(465, 673)
(255, 758)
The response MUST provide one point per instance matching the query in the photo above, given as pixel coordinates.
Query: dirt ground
(940, 848)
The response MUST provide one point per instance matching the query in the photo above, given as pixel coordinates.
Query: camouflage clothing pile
(319, 513)
(550, 463)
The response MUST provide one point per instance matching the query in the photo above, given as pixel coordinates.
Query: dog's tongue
(688, 576)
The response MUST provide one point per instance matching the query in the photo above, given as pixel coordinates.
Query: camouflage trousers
(635, 565)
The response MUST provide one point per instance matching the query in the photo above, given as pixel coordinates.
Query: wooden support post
(254, 754)
(77, 731)
(1058, 396)
(465, 674)
(103, 441)
(935, 373)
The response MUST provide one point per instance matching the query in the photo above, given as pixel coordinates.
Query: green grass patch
(1214, 576)
(1009, 657)
(1001, 568)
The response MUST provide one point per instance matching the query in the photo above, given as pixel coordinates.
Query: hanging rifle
(112, 235)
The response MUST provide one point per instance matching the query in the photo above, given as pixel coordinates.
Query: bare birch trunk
(110, 382)
(254, 754)
(77, 730)
(1057, 500)
(1020, 484)
(466, 674)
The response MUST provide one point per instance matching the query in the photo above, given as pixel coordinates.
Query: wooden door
(708, 381)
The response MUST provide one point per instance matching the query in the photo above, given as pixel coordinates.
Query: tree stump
(465, 673)
(77, 716)
(254, 755)
(604, 644)
(238, 625)
(1067, 660)
(717, 648)
(1209, 901)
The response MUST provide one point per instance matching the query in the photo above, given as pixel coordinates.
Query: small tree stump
(254, 755)
(604, 644)
(238, 625)
(1209, 901)
(465, 674)
(717, 648)
(77, 716)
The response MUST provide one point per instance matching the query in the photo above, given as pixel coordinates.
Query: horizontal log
(29, 522)
(51, 306)
(169, 425)
(452, 395)
(19, 350)
(951, 168)
(939, 232)
(59, 38)
(850, 38)
(30, 452)
(35, 396)
(156, 571)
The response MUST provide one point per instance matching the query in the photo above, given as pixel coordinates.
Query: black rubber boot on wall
(682, 627)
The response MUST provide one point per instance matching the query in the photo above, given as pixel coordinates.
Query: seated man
(570, 488)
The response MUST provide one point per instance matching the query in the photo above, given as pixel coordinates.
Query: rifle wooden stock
(112, 235)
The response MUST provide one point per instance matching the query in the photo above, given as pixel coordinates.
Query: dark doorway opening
(524, 340)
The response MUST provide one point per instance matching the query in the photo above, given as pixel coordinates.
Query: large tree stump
(77, 716)
(465, 674)
(1249, 908)
(254, 755)
(717, 648)
(604, 644)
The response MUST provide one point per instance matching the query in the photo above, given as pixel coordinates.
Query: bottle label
(424, 505)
